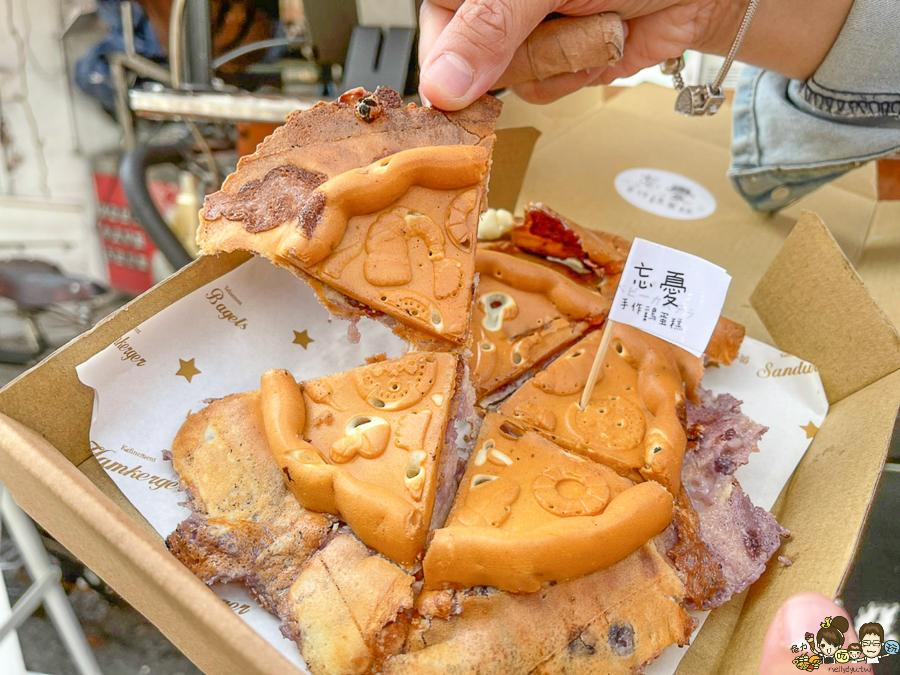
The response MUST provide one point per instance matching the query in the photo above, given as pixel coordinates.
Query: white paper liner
(273, 320)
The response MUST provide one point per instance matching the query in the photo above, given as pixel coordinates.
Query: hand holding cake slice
(322, 496)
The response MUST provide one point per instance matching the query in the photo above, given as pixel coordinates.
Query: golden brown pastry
(527, 512)
(347, 609)
(248, 528)
(245, 519)
(321, 495)
(725, 341)
(366, 445)
(612, 622)
(634, 422)
(523, 314)
(375, 200)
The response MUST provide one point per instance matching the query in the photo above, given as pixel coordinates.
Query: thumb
(800, 614)
(476, 47)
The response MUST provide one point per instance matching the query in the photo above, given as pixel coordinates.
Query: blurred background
(116, 118)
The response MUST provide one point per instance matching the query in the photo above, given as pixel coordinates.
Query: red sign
(128, 250)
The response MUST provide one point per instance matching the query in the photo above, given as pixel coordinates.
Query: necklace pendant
(699, 100)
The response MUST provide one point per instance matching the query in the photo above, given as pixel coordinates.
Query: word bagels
(215, 297)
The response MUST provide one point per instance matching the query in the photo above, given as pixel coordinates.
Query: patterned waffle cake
(357, 509)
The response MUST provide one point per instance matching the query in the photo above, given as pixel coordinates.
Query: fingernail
(779, 629)
(795, 622)
(451, 75)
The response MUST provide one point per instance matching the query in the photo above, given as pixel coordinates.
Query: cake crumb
(353, 331)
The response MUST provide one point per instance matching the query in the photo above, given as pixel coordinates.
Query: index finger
(566, 45)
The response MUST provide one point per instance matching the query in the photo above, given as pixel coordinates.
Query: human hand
(465, 46)
(795, 617)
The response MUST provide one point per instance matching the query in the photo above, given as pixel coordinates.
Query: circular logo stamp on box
(665, 194)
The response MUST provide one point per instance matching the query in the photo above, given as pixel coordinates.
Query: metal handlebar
(133, 174)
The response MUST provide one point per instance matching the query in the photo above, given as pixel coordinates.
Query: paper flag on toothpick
(671, 294)
(668, 293)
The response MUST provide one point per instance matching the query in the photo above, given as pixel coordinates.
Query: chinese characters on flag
(671, 294)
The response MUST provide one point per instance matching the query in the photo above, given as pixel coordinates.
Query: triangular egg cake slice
(634, 421)
(524, 314)
(377, 201)
(528, 512)
(366, 445)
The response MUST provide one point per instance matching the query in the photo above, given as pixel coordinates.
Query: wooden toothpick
(596, 367)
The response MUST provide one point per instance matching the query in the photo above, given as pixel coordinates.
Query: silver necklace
(705, 99)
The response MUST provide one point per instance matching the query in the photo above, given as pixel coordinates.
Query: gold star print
(302, 339)
(187, 369)
(810, 429)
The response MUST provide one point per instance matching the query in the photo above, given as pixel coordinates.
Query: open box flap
(814, 305)
(880, 261)
(87, 523)
(825, 507)
(509, 162)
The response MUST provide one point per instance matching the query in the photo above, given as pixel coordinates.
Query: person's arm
(788, 37)
(466, 46)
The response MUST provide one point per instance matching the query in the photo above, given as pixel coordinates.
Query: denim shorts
(790, 137)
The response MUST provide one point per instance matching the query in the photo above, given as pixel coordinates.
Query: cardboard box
(806, 298)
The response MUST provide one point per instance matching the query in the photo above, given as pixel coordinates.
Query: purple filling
(738, 536)
(456, 448)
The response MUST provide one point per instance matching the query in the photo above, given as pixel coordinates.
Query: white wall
(51, 130)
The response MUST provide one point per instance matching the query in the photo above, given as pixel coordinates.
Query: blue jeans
(790, 137)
